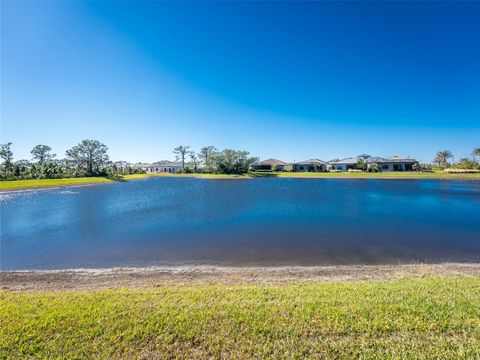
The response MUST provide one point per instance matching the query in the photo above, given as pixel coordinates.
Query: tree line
(442, 158)
(210, 160)
(88, 158)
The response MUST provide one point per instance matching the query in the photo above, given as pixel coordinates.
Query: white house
(393, 163)
(272, 165)
(343, 164)
(310, 165)
(163, 166)
(166, 166)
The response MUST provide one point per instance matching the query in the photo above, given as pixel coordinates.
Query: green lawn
(38, 183)
(383, 175)
(415, 318)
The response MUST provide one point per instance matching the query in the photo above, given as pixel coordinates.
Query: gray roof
(399, 159)
(142, 165)
(392, 159)
(345, 161)
(167, 163)
(311, 161)
(161, 163)
(373, 159)
(273, 162)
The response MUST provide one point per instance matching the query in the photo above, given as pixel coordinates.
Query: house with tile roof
(272, 165)
(393, 163)
(310, 165)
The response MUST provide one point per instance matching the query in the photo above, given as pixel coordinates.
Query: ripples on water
(170, 221)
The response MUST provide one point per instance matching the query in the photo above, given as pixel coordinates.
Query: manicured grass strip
(38, 183)
(426, 318)
(384, 175)
(200, 176)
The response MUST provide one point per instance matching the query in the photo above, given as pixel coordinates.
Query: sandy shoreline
(91, 279)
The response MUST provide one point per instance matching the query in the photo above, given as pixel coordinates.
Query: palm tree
(181, 152)
(442, 157)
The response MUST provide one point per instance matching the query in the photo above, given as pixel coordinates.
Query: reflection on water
(246, 222)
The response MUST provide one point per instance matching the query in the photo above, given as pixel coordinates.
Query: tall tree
(6, 153)
(466, 163)
(89, 155)
(205, 153)
(181, 152)
(194, 160)
(42, 153)
(476, 152)
(361, 165)
(442, 157)
(232, 161)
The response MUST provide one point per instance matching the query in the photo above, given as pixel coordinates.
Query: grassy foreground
(431, 317)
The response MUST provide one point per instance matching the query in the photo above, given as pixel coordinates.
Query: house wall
(165, 169)
(309, 167)
(263, 167)
(340, 167)
(287, 167)
(395, 166)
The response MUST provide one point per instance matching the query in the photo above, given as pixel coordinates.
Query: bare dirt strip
(90, 279)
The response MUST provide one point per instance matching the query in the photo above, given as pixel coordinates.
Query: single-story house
(272, 165)
(121, 165)
(310, 165)
(147, 167)
(393, 163)
(166, 166)
(163, 166)
(343, 164)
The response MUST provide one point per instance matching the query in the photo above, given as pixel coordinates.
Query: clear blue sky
(286, 80)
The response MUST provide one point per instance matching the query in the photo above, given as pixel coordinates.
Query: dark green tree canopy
(42, 153)
(89, 156)
(442, 157)
(6, 153)
(232, 161)
(361, 165)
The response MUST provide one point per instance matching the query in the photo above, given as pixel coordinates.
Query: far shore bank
(19, 185)
(91, 279)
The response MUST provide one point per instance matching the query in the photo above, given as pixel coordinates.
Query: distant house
(166, 166)
(343, 164)
(393, 163)
(163, 166)
(310, 165)
(122, 165)
(147, 167)
(272, 165)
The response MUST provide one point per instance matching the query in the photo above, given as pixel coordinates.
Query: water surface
(172, 221)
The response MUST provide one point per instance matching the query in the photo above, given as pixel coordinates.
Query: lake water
(172, 221)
